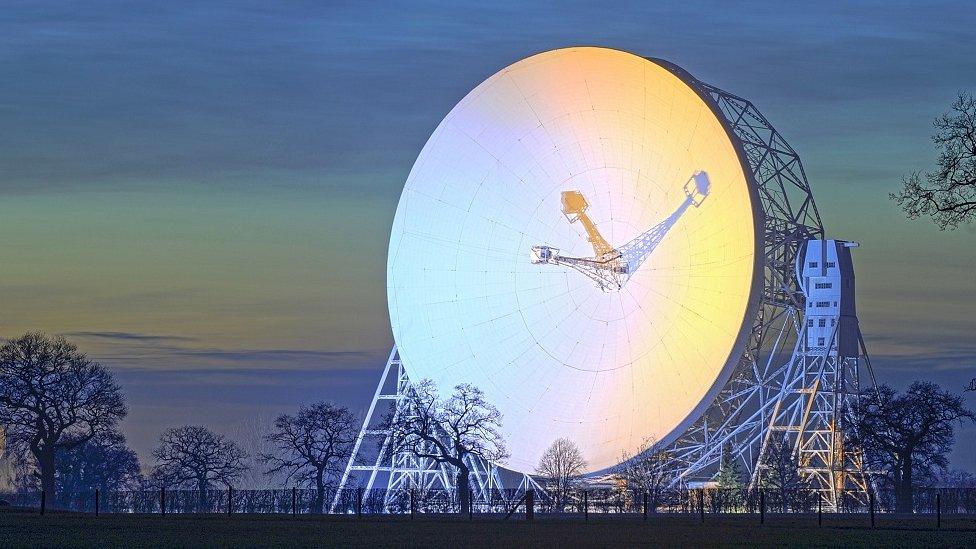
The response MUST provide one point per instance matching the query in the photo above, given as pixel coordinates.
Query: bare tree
(104, 462)
(954, 478)
(907, 435)
(53, 399)
(948, 194)
(449, 431)
(312, 446)
(780, 474)
(196, 455)
(647, 470)
(562, 465)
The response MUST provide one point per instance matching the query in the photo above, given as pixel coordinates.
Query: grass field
(21, 528)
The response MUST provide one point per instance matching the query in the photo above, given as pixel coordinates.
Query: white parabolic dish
(561, 354)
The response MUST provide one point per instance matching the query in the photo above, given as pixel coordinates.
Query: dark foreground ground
(21, 528)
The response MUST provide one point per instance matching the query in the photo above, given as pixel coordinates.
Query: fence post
(359, 502)
(162, 500)
(762, 506)
(645, 505)
(938, 510)
(43, 501)
(819, 510)
(294, 501)
(586, 505)
(470, 504)
(529, 504)
(701, 504)
(871, 504)
(230, 500)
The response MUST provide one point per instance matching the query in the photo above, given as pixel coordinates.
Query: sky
(200, 194)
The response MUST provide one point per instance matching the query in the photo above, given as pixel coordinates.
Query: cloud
(129, 336)
(169, 355)
(290, 356)
(136, 351)
(925, 364)
(256, 378)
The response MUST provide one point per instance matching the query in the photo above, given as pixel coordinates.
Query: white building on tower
(828, 282)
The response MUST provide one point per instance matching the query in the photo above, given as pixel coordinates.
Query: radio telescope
(577, 239)
(608, 248)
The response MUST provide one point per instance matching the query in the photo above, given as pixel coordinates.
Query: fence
(572, 502)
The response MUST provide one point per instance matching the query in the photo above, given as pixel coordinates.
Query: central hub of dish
(611, 267)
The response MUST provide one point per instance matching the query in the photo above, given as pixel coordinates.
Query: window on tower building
(822, 322)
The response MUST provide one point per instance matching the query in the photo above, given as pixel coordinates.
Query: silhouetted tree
(196, 455)
(948, 194)
(780, 475)
(971, 386)
(730, 477)
(561, 466)
(954, 478)
(53, 399)
(312, 446)
(103, 462)
(907, 435)
(448, 431)
(649, 470)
